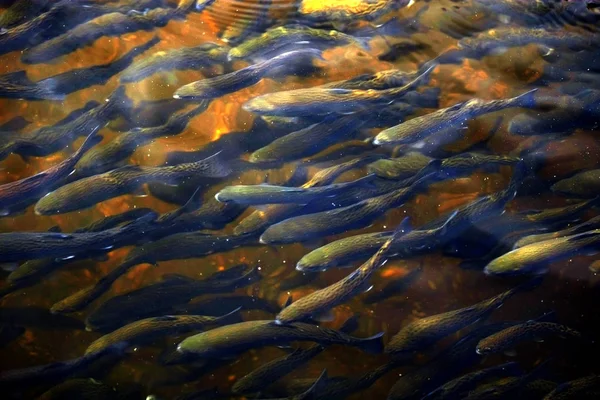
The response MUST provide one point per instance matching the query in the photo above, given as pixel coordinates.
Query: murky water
(569, 288)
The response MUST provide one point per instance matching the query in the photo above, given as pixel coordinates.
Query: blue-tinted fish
(587, 387)
(20, 11)
(228, 83)
(591, 224)
(583, 184)
(419, 128)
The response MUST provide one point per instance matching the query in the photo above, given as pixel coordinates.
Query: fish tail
(363, 42)
(90, 141)
(51, 89)
(119, 102)
(428, 98)
(520, 172)
(526, 100)
(229, 315)
(372, 344)
(217, 166)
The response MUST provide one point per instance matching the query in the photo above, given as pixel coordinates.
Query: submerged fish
(112, 154)
(393, 287)
(203, 56)
(291, 37)
(593, 223)
(83, 388)
(319, 101)
(535, 258)
(89, 191)
(583, 184)
(20, 11)
(215, 306)
(228, 83)
(325, 299)
(271, 194)
(401, 167)
(37, 185)
(237, 338)
(585, 387)
(150, 328)
(50, 139)
(420, 128)
(339, 11)
(113, 24)
(159, 298)
(424, 332)
(507, 339)
(270, 372)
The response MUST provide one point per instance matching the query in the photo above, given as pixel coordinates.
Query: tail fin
(525, 100)
(317, 387)
(373, 344)
(521, 172)
(90, 141)
(119, 102)
(215, 166)
(350, 325)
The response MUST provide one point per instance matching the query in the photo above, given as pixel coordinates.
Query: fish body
(228, 83)
(585, 387)
(291, 37)
(496, 41)
(456, 116)
(508, 338)
(583, 184)
(271, 194)
(80, 388)
(393, 287)
(203, 56)
(113, 24)
(424, 332)
(325, 299)
(370, 10)
(105, 157)
(237, 338)
(37, 185)
(319, 101)
(386, 79)
(534, 258)
(593, 223)
(220, 305)
(20, 11)
(401, 167)
(89, 191)
(145, 329)
(48, 140)
(160, 298)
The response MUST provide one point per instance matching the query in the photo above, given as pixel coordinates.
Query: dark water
(569, 288)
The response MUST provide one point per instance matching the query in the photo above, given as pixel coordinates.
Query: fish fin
(584, 235)
(287, 348)
(325, 316)
(363, 42)
(444, 228)
(350, 325)
(405, 226)
(373, 344)
(19, 77)
(176, 278)
(527, 99)
(288, 301)
(538, 339)
(510, 353)
(340, 91)
(139, 191)
(9, 267)
(317, 387)
(229, 314)
(55, 229)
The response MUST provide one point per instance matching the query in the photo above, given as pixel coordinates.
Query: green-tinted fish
(270, 372)
(81, 388)
(325, 299)
(507, 339)
(421, 127)
(89, 191)
(200, 57)
(401, 167)
(462, 385)
(271, 194)
(381, 80)
(587, 387)
(291, 37)
(237, 338)
(535, 258)
(583, 184)
(221, 85)
(319, 101)
(552, 215)
(20, 11)
(149, 328)
(312, 392)
(345, 12)
(593, 223)
(113, 154)
(424, 332)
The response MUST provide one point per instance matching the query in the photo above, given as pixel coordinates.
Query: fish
(576, 389)
(217, 305)
(324, 300)
(14, 124)
(148, 114)
(312, 391)
(593, 223)
(309, 140)
(271, 194)
(20, 11)
(145, 329)
(243, 28)
(54, 372)
(318, 101)
(340, 12)
(42, 27)
(221, 85)
(381, 80)
(159, 298)
(424, 332)
(20, 246)
(401, 167)
(17, 85)
(200, 57)
(291, 37)
(339, 220)
(445, 366)
(505, 340)
(112, 24)
(497, 41)
(86, 388)
(464, 384)
(114, 153)
(237, 338)
(535, 258)
(419, 128)
(36, 186)
(583, 184)
(270, 372)
(50, 139)
(393, 287)
(89, 191)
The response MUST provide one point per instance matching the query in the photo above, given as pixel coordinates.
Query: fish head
(50, 204)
